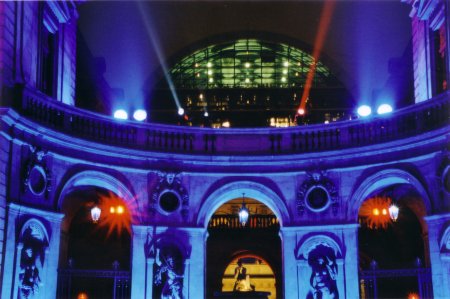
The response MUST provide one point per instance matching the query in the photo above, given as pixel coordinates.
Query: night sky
(362, 38)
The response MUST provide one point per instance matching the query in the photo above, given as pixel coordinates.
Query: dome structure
(249, 82)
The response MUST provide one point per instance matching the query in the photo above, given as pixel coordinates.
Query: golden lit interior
(261, 275)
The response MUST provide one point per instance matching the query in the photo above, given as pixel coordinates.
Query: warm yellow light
(285, 71)
(211, 80)
(209, 64)
(286, 64)
(112, 210)
(413, 296)
(120, 210)
(374, 212)
(82, 296)
(209, 72)
(247, 80)
(247, 64)
(201, 96)
(283, 79)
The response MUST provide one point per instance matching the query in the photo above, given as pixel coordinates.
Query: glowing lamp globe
(384, 108)
(140, 115)
(95, 214)
(364, 110)
(120, 114)
(301, 111)
(180, 111)
(393, 212)
(243, 214)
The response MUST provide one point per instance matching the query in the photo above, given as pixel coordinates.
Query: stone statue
(322, 261)
(31, 260)
(242, 283)
(166, 274)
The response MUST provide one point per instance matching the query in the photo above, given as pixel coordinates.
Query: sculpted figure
(322, 261)
(242, 283)
(167, 275)
(30, 262)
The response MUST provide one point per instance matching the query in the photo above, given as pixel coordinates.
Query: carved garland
(317, 181)
(37, 177)
(169, 182)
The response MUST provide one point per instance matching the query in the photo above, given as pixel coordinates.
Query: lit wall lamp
(243, 212)
(95, 214)
(393, 212)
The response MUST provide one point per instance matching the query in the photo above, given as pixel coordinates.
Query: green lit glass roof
(248, 63)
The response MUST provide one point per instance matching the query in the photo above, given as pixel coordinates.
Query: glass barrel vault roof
(248, 63)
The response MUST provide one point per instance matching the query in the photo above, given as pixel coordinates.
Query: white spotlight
(384, 108)
(206, 114)
(364, 111)
(140, 115)
(120, 114)
(180, 111)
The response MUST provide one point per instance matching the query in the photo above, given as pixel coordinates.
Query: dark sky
(362, 37)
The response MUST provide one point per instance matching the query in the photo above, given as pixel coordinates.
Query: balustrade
(232, 222)
(416, 119)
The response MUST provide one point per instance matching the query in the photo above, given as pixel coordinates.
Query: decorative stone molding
(169, 195)
(317, 193)
(58, 12)
(37, 178)
(432, 11)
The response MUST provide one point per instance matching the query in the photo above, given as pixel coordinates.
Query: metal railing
(119, 282)
(410, 121)
(370, 280)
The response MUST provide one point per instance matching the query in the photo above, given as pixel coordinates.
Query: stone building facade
(50, 149)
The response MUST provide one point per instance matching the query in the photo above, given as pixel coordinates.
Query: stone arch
(94, 178)
(312, 242)
(444, 244)
(39, 230)
(234, 190)
(384, 179)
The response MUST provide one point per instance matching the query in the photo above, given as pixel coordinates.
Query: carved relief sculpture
(168, 273)
(32, 258)
(324, 271)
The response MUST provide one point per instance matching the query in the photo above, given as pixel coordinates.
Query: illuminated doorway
(257, 244)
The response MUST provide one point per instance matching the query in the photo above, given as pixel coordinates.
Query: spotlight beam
(156, 46)
(325, 19)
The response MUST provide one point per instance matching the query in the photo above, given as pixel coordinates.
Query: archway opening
(256, 244)
(94, 252)
(392, 252)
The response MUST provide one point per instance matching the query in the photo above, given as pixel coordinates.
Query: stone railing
(406, 122)
(232, 222)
